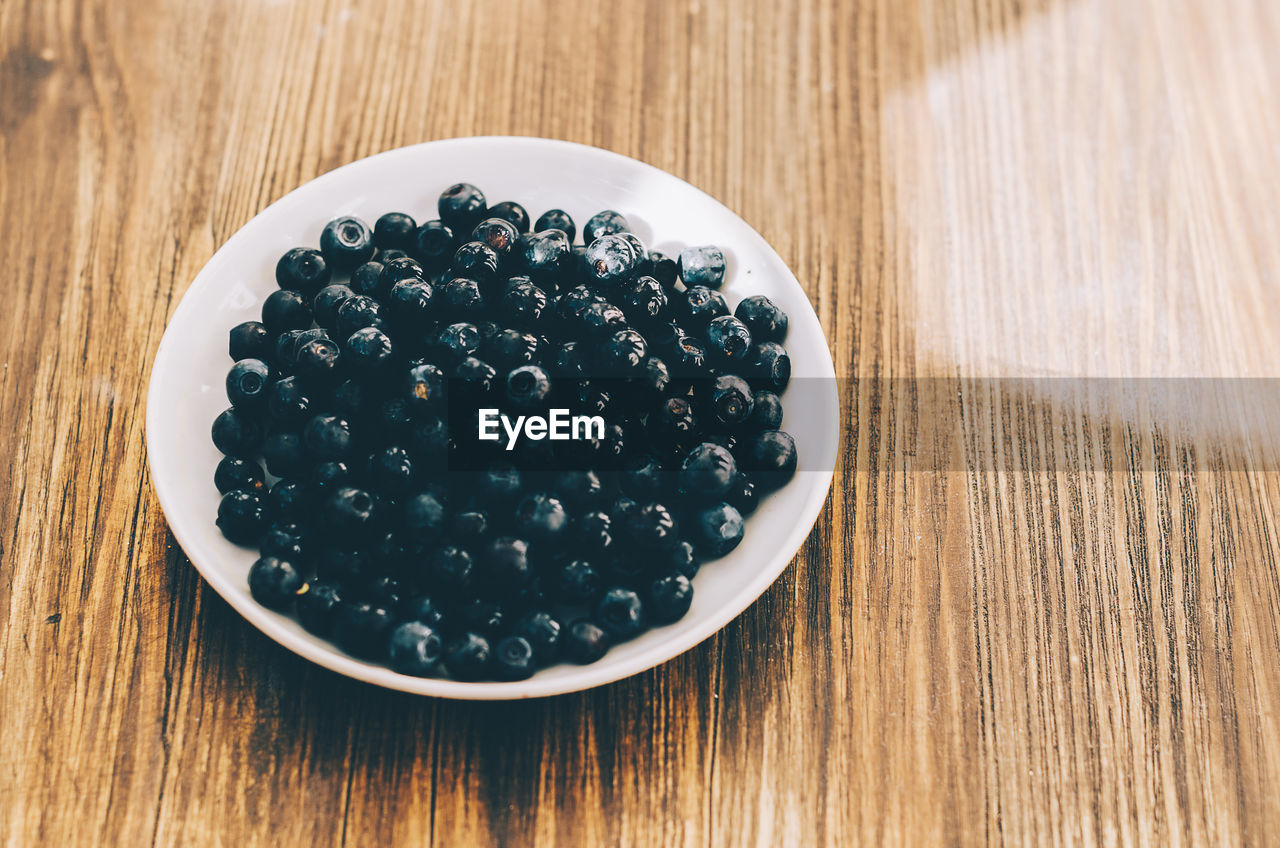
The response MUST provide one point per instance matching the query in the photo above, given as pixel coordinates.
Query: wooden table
(1023, 617)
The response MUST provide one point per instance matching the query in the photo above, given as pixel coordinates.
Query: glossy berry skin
(425, 609)
(284, 455)
(369, 352)
(237, 433)
(624, 352)
(461, 207)
(394, 271)
(772, 366)
(242, 516)
(283, 541)
(663, 269)
(327, 302)
(289, 500)
(236, 473)
(584, 642)
(702, 266)
(317, 608)
(683, 559)
(395, 230)
(348, 513)
(285, 309)
(771, 457)
(302, 269)
(621, 614)
(541, 517)
(729, 340)
(708, 472)
(467, 656)
(512, 212)
(717, 530)
(506, 562)
(424, 517)
(524, 304)
(250, 340)
(363, 629)
(410, 305)
(462, 299)
(766, 411)
(652, 527)
(604, 223)
(767, 322)
(542, 631)
(457, 341)
(612, 259)
(366, 279)
(273, 582)
(451, 568)
(577, 583)
(319, 362)
(329, 475)
(528, 386)
(247, 383)
(513, 659)
(474, 379)
(556, 219)
(357, 313)
(699, 305)
(391, 471)
(498, 234)
(602, 319)
(669, 598)
(346, 242)
(592, 532)
(578, 488)
(730, 400)
(327, 437)
(743, 495)
(434, 243)
(289, 402)
(511, 348)
(414, 648)
(477, 261)
(642, 299)
(424, 387)
(342, 565)
(544, 255)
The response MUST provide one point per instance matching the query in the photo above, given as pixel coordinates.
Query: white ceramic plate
(187, 378)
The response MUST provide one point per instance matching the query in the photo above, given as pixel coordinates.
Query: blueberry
(643, 476)
(461, 207)
(771, 456)
(651, 527)
(511, 348)
(363, 629)
(289, 500)
(602, 319)
(604, 223)
(391, 253)
(450, 568)
(370, 352)
(414, 648)
(762, 316)
(424, 387)
(302, 269)
(683, 558)
(742, 495)
(330, 475)
(708, 471)
(717, 530)
(283, 454)
(285, 309)
(484, 616)
(578, 488)
(541, 517)
(424, 517)
(348, 513)
(328, 301)
(585, 642)
(689, 358)
(542, 631)
(651, 382)
(250, 340)
(237, 433)
(523, 304)
(346, 242)
(424, 608)
(410, 305)
(469, 525)
(702, 266)
(621, 613)
(669, 598)
(319, 362)
(366, 279)
(729, 400)
(772, 366)
(729, 339)
(327, 437)
(357, 313)
(288, 402)
(395, 271)
(477, 261)
(391, 471)
(513, 213)
(766, 411)
(513, 659)
(624, 352)
(568, 360)
(341, 565)
(612, 259)
(543, 255)
(556, 219)
(699, 305)
(498, 234)
(577, 583)
(458, 341)
(283, 541)
(528, 386)
(663, 269)
(434, 243)
(395, 230)
(675, 422)
(467, 656)
(273, 582)
(236, 473)
(242, 516)
(247, 383)
(462, 299)
(475, 378)
(499, 484)
(642, 299)
(317, 608)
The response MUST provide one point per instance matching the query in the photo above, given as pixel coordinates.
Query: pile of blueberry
(393, 529)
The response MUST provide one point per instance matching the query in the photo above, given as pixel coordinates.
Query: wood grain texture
(1020, 619)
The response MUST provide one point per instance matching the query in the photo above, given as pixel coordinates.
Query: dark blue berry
(328, 301)
(498, 234)
(604, 223)
(319, 362)
(450, 568)
(771, 457)
(424, 387)
(461, 207)
(289, 402)
(285, 309)
(346, 242)
(424, 517)
(613, 258)
(702, 266)
(242, 516)
(341, 565)
(248, 382)
(730, 400)
(302, 269)
(669, 598)
(708, 471)
(683, 558)
(251, 340)
(327, 437)
(743, 495)
(642, 299)
(766, 411)
(467, 656)
(717, 530)
(542, 631)
(543, 255)
(237, 433)
(391, 471)
(434, 244)
(410, 305)
(556, 219)
(414, 648)
(425, 609)
(237, 473)
(541, 517)
(513, 659)
(513, 213)
(577, 583)
(621, 613)
(273, 582)
(602, 319)
(348, 513)
(624, 352)
(772, 366)
(699, 305)
(457, 341)
(528, 386)
(762, 316)
(283, 454)
(359, 312)
(362, 629)
(366, 279)
(729, 339)
(317, 608)
(289, 500)
(370, 352)
(652, 527)
(396, 271)
(523, 303)
(283, 541)
(663, 269)
(330, 475)
(395, 230)
(511, 348)
(476, 261)
(462, 299)
(584, 642)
